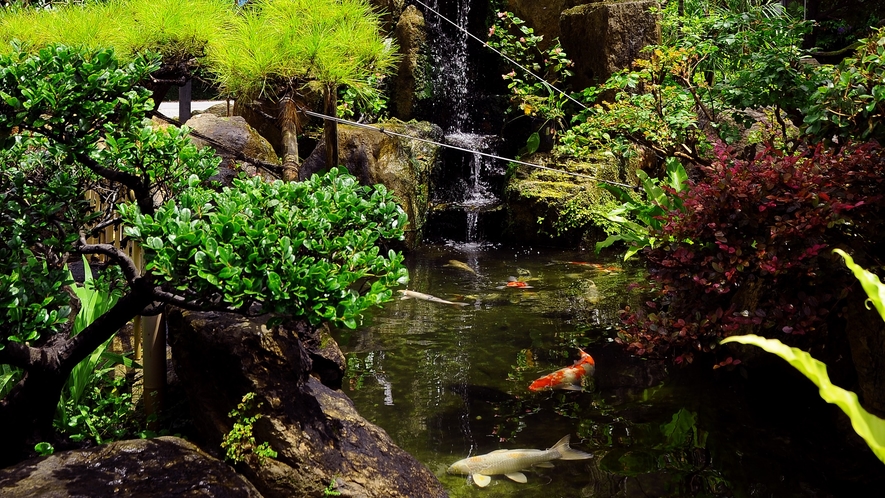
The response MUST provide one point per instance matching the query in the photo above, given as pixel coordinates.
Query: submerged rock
(160, 467)
(318, 435)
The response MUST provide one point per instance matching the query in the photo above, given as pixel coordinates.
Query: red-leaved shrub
(746, 250)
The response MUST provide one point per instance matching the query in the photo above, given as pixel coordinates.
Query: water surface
(447, 382)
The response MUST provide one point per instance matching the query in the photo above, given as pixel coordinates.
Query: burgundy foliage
(749, 252)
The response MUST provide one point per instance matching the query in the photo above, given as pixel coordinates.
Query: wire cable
(455, 147)
(471, 35)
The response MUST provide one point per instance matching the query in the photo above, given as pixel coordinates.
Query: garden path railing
(147, 342)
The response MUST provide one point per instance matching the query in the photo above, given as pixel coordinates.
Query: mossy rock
(553, 208)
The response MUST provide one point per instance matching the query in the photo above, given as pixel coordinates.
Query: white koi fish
(511, 462)
(407, 294)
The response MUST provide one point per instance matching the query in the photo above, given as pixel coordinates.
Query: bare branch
(120, 258)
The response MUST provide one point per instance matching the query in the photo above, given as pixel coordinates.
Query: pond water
(447, 382)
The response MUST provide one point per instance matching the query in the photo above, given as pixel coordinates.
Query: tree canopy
(73, 120)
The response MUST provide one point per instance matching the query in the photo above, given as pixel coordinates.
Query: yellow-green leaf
(874, 288)
(867, 425)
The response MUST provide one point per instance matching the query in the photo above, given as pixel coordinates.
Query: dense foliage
(73, 121)
(780, 159)
(745, 249)
(539, 94)
(851, 103)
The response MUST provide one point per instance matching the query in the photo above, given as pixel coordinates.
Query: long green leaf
(868, 426)
(874, 288)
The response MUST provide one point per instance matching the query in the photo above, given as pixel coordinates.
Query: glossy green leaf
(867, 425)
(874, 287)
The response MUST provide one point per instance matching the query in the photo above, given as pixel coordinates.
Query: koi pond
(448, 381)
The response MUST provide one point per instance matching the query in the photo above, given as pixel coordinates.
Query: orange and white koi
(515, 283)
(569, 378)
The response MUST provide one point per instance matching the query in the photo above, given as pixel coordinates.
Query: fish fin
(567, 453)
(517, 476)
(544, 465)
(460, 304)
(481, 480)
(572, 387)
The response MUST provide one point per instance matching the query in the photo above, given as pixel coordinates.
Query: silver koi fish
(407, 294)
(511, 462)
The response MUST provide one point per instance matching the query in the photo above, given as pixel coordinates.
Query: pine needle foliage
(276, 45)
(177, 29)
(174, 28)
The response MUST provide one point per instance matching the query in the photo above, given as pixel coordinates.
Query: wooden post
(154, 355)
(330, 128)
(184, 102)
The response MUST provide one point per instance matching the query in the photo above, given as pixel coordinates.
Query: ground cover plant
(73, 120)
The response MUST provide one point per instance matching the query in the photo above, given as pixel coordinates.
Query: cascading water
(459, 101)
(451, 64)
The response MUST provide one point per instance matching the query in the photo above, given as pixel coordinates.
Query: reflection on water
(451, 381)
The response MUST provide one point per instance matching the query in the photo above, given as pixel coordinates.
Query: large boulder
(410, 82)
(543, 17)
(237, 143)
(402, 165)
(160, 467)
(320, 438)
(603, 38)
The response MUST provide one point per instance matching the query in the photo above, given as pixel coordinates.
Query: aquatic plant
(744, 250)
(636, 218)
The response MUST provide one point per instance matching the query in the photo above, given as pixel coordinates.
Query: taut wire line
(468, 33)
(381, 129)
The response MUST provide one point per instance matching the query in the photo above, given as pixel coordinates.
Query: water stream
(475, 181)
(447, 382)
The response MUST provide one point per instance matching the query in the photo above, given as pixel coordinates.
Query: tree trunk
(26, 413)
(289, 128)
(330, 127)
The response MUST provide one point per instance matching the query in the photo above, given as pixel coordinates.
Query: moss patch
(549, 206)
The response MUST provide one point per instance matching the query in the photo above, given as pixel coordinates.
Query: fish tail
(586, 358)
(566, 452)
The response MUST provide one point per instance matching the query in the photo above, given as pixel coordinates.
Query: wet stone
(160, 467)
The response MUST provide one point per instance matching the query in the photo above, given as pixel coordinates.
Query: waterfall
(471, 182)
(451, 68)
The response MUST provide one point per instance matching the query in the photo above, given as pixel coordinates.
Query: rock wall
(410, 82)
(543, 17)
(600, 36)
(603, 38)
